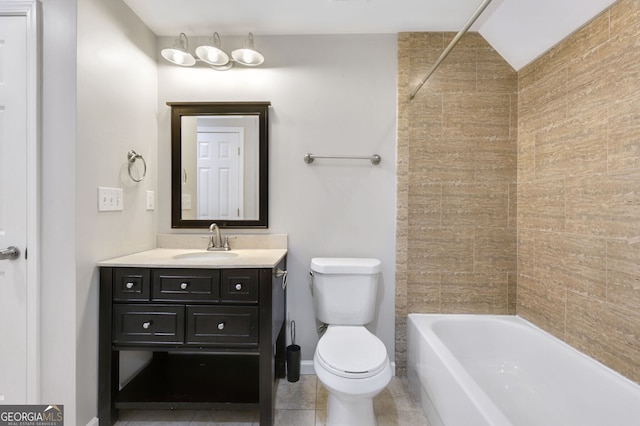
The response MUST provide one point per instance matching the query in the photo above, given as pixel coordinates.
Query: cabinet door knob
(238, 286)
(146, 324)
(221, 326)
(184, 286)
(129, 285)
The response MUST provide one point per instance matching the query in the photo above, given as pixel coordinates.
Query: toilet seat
(351, 352)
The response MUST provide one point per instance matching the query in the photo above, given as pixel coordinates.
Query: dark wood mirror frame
(180, 109)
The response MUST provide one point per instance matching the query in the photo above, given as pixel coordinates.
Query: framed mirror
(219, 164)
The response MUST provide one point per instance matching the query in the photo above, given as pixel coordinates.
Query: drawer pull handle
(184, 286)
(238, 286)
(221, 326)
(129, 285)
(146, 324)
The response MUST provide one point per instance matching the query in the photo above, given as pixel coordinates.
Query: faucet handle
(226, 243)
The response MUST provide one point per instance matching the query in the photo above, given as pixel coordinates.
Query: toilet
(350, 361)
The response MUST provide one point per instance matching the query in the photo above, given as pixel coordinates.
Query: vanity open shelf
(215, 335)
(188, 381)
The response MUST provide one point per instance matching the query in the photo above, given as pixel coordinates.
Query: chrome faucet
(215, 240)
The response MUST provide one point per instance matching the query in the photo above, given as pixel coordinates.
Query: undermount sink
(204, 255)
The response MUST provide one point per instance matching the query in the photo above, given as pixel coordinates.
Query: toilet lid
(351, 352)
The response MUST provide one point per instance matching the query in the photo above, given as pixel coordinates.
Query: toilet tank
(345, 289)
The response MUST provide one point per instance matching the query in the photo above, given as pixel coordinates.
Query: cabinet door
(224, 325)
(156, 324)
(186, 285)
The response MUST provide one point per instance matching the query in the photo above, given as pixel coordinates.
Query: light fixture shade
(248, 55)
(179, 53)
(213, 55)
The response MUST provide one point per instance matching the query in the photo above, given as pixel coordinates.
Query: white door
(18, 362)
(220, 174)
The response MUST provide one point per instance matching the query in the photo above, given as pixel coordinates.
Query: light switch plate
(186, 201)
(110, 199)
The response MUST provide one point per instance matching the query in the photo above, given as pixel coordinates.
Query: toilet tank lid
(345, 265)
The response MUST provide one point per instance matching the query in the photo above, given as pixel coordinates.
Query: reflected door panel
(220, 174)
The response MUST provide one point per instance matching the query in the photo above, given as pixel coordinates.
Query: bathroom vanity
(212, 322)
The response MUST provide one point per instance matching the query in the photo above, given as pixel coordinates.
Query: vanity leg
(109, 365)
(108, 360)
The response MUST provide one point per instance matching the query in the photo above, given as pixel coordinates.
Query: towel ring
(132, 156)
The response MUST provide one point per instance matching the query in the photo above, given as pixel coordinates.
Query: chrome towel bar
(375, 158)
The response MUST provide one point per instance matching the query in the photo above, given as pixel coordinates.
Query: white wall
(116, 95)
(329, 95)
(58, 274)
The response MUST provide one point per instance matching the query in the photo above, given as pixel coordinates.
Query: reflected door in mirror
(220, 175)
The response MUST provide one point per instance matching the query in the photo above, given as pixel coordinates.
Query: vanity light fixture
(248, 55)
(179, 53)
(212, 54)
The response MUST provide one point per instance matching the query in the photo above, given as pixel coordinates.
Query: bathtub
(472, 370)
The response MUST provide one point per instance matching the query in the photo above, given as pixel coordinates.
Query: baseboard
(94, 422)
(306, 367)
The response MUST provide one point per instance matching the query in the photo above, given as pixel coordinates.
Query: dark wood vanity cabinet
(216, 337)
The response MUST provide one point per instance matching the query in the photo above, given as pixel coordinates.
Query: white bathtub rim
(478, 397)
(460, 372)
(518, 321)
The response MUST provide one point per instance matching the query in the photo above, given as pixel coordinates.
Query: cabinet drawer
(239, 285)
(186, 285)
(148, 323)
(131, 284)
(236, 325)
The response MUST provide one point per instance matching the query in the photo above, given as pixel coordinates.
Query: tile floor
(302, 403)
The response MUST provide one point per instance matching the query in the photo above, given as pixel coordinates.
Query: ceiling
(520, 30)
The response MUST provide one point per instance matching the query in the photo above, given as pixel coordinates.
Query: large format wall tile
(573, 262)
(474, 204)
(608, 207)
(473, 293)
(623, 273)
(542, 205)
(456, 173)
(579, 189)
(542, 303)
(605, 332)
(623, 143)
(476, 115)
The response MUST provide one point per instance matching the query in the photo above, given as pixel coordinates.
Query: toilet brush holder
(293, 357)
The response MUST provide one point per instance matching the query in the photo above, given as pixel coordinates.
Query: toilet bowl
(350, 361)
(352, 364)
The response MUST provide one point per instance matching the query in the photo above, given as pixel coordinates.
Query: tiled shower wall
(457, 148)
(579, 190)
(578, 179)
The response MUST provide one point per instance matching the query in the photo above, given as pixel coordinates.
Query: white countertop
(199, 258)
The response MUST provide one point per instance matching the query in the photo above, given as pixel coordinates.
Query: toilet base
(350, 412)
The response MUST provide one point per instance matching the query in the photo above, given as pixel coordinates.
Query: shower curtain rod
(451, 45)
